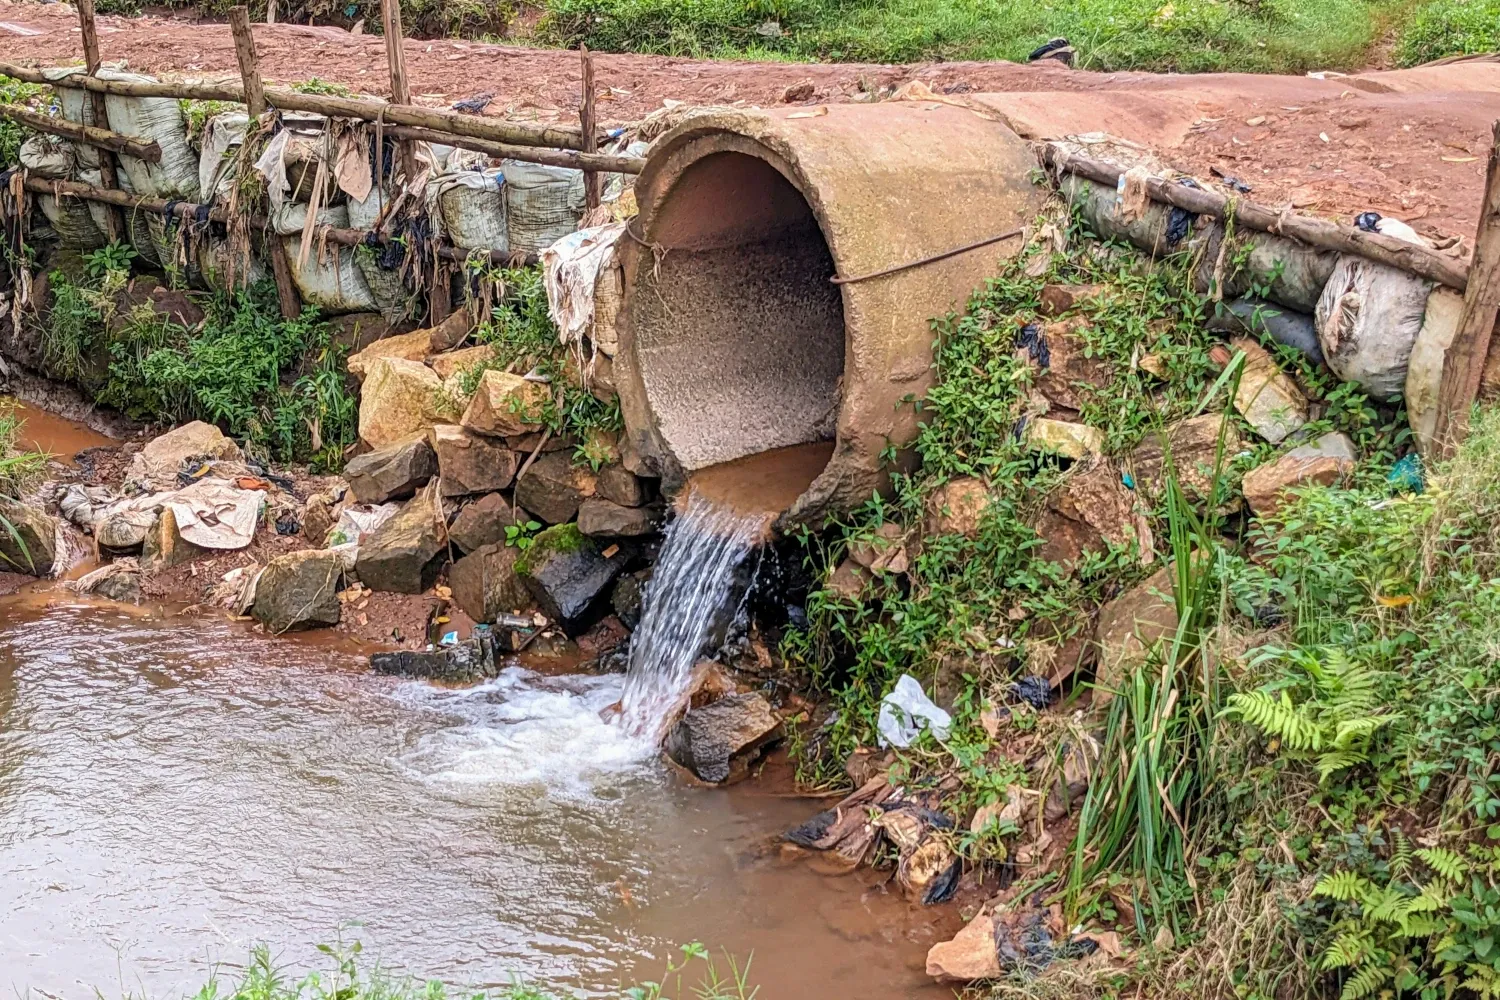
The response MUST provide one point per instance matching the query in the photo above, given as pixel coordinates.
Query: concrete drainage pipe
(734, 341)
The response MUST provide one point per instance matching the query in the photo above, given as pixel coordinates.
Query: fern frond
(1387, 905)
(1361, 729)
(1364, 982)
(1344, 885)
(1448, 865)
(1420, 925)
(1335, 761)
(1400, 862)
(1348, 950)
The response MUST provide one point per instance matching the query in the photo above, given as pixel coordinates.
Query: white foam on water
(527, 729)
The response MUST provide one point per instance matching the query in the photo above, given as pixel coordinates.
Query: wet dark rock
(719, 742)
(391, 473)
(116, 581)
(485, 584)
(484, 521)
(627, 596)
(554, 488)
(566, 572)
(298, 590)
(402, 554)
(600, 518)
(619, 485)
(29, 546)
(469, 661)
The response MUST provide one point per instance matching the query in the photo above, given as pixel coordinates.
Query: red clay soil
(1408, 143)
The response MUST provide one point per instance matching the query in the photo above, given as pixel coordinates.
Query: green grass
(12, 134)
(1177, 35)
(1450, 27)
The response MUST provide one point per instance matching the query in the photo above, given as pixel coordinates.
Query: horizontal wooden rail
(103, 138)
(188, 210)
(438, 119)
(531, 154)
(1409, 257)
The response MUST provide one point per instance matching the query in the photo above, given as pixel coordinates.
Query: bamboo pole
(604, 162)
(1463, 364)
(188, 210)
(591, 186)
(440, 119)
(1409, 257)
(108, 174)
(88, 134)
(287, 297)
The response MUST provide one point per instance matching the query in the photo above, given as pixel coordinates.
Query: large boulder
(553, 487)
(566, 572)
(972, 954)
(1064, 438)
(1193, 444)
(164, 546)
(485, 583)
(619, 485)
(414, 346)
(159, 461)
(471, 463)
(394, 472)
(29, 544)
(505, 404)
(720, 741)
(399, 400)
(1326, 461)
(298, 590)
(1267, 397)
(455, 362)
(600, 518)
(483, 522)
(1130, 626)
(957, 508)
(1092, 507)
(402, 554)
(1069, 365)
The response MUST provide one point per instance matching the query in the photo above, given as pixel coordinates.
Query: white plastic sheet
(570, 270)
(906, 711)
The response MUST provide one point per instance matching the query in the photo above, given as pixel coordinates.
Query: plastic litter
(1285, 326)
(1368, 318)
(213, 514)
(222, 135)
(1406, 475)
(571, 270)
(354, 523)
(543, 204)
(906, 711)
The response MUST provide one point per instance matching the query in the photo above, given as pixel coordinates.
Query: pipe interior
(739, 333)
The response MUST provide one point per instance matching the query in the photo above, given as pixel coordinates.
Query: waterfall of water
(703, 547)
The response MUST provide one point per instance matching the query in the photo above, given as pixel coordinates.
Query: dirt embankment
(1409, 143)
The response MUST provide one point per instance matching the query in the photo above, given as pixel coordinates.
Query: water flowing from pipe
(704, 546)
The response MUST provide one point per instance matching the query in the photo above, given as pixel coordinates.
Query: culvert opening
(739, 333)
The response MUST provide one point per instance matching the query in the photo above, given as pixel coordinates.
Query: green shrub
(1449, 28)
(12, 134)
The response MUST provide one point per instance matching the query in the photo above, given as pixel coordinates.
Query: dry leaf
(817, 112)
(1459, 159)
(1394, 601)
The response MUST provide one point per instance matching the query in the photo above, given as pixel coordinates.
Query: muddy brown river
(175, 789)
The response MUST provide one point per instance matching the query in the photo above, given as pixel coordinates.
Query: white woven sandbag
(543, 204)
(471, 207)
(223, 135)
(330, 280)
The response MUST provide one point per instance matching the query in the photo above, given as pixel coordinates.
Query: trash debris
(1056, 48)
(1406, 475)
(906, 711)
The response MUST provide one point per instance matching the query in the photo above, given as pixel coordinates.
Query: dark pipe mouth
(739, 337)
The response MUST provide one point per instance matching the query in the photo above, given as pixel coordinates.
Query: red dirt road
(1408, 143)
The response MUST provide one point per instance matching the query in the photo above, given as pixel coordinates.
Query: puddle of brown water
(768, 482)
(180, 789)
(47, 432)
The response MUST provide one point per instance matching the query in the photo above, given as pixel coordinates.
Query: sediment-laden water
(174, 790)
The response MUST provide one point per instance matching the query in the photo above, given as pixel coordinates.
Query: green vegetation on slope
(1451, 27)
(1302, 785)
(279, 385)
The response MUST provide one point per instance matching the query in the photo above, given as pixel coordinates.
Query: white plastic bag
(571, 270)
(905, 711)
(355, 522)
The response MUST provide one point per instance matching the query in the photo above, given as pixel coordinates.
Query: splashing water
(703, 547)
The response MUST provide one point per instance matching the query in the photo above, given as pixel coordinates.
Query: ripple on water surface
(178, 789)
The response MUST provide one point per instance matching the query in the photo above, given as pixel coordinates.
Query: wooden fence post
(591, 184)
(114, 218)
(255, 103)
(1463, 366)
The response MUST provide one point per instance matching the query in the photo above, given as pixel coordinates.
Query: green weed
(12, 134)
(1450, 27)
